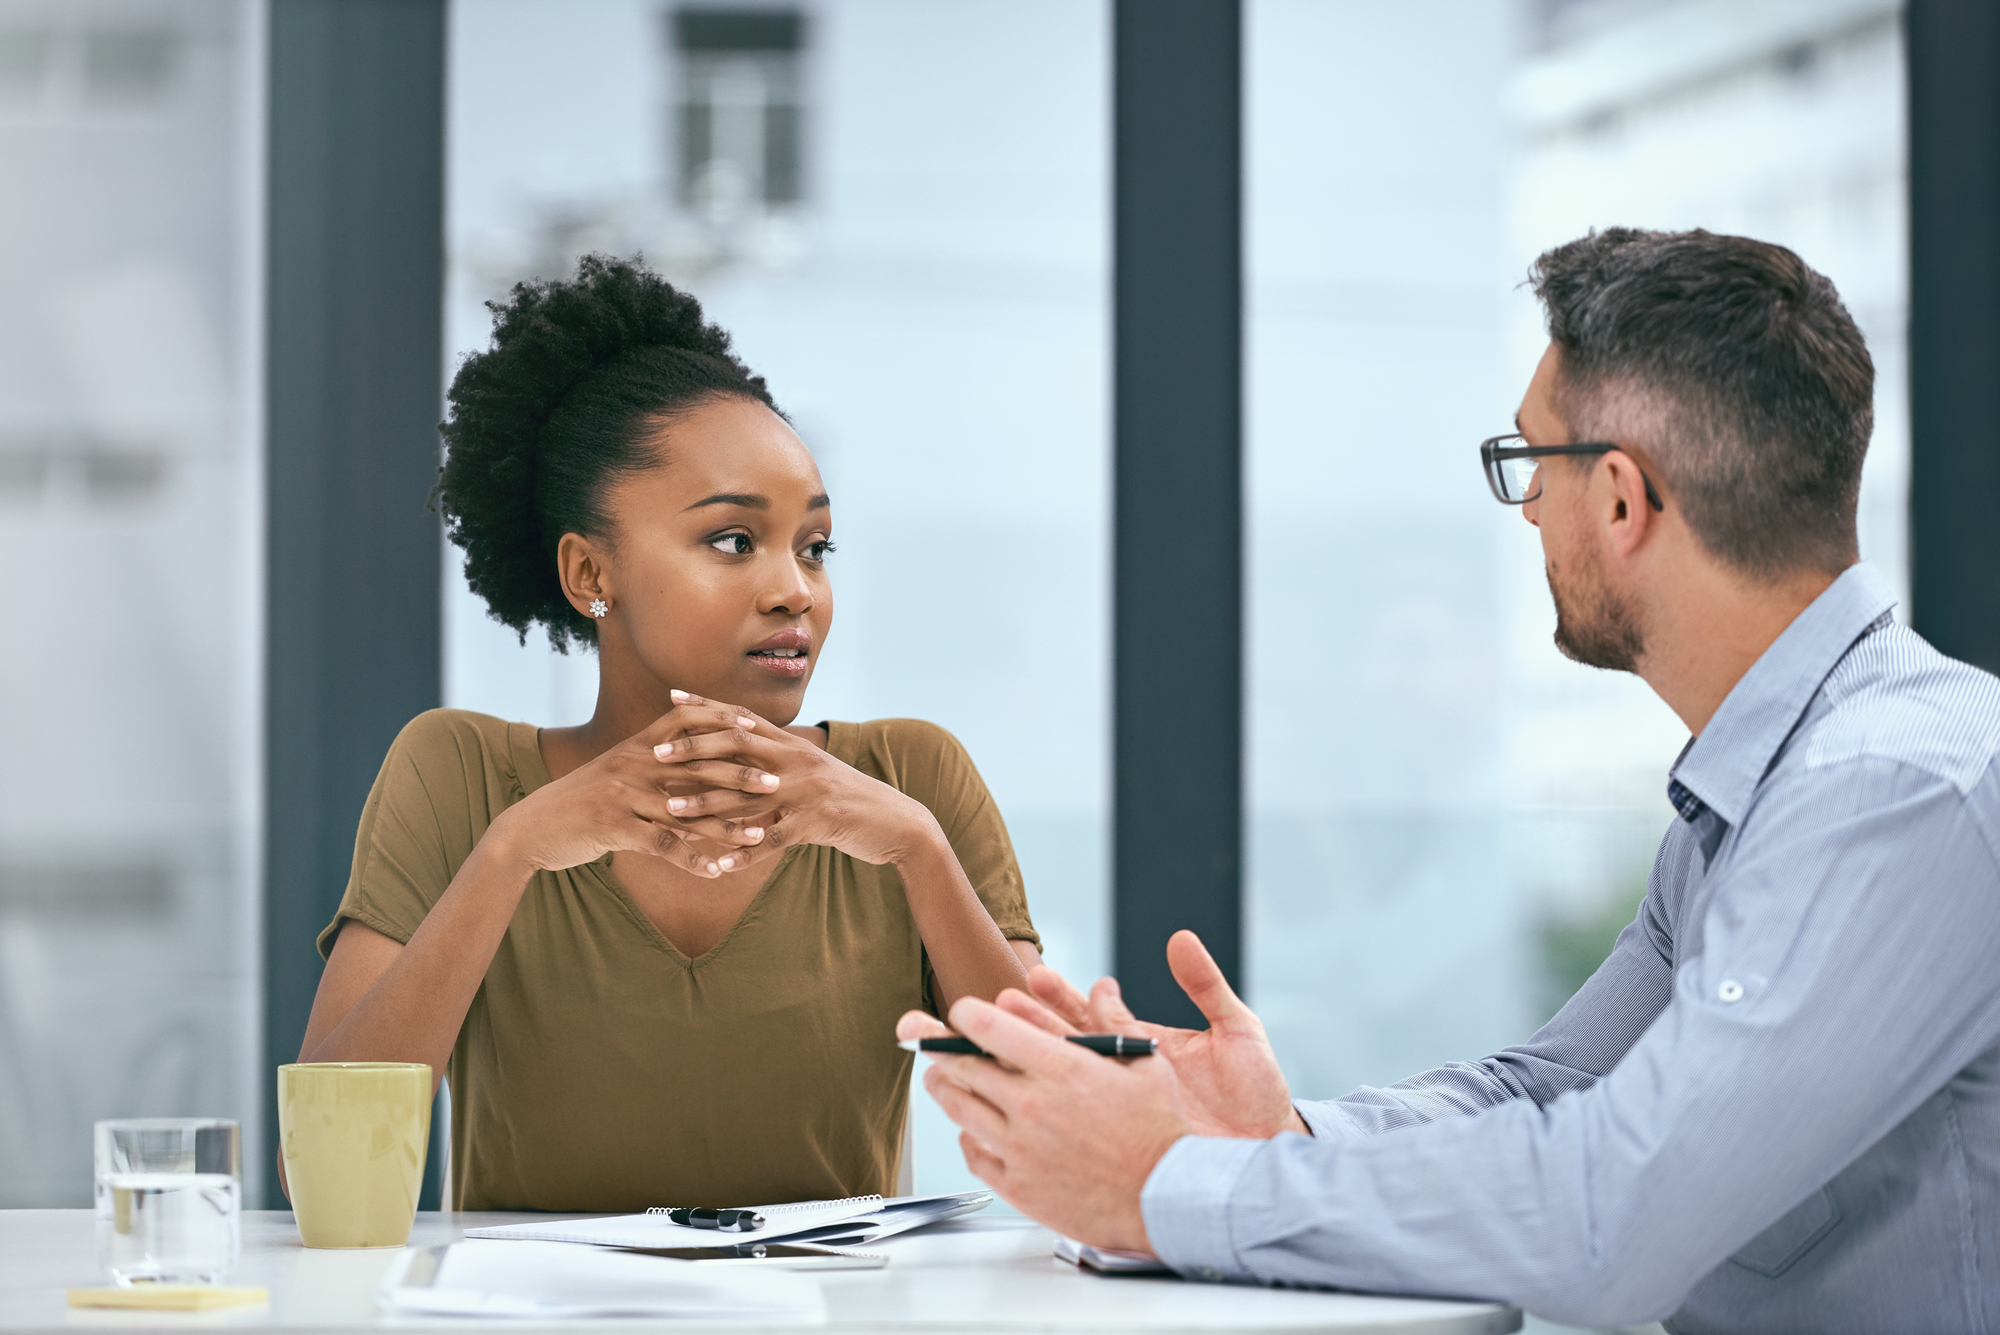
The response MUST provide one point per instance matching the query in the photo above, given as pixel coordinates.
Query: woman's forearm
(412, 1009)
(967, 950)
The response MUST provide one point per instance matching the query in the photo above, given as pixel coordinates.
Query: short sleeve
(931, 765)
(422, 818)
(936, 769)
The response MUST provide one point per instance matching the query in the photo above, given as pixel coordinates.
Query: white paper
(561, 1281)
(873, 1216)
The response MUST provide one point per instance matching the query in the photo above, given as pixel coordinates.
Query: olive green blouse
(601, 1069)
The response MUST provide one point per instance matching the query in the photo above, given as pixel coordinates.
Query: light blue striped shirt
(1775, 1107)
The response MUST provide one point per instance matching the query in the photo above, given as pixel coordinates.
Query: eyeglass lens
(1517, 478)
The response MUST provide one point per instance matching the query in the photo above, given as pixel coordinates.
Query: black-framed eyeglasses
(1511, 469)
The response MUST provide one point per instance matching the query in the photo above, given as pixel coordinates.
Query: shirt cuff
(1323, 1120)
(1185, 1204)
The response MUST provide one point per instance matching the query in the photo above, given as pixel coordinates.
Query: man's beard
(1594, 625)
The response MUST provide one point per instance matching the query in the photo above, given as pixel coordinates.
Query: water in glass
(168, 1200)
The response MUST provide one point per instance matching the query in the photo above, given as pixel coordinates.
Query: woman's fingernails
(755, 832)
(677, 804)
(680, 695)
(769, 780)
(663, 750)
(742, 722)
(713, 868)
(728, 864)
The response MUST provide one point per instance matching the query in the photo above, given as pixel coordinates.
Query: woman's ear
(585, 574)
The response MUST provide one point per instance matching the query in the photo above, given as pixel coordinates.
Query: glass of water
(169, 1199)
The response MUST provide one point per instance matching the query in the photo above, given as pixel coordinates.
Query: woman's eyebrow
(752, 501)
(747, 500)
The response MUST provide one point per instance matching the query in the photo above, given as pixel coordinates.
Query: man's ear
(584, 572)
(1630, 519)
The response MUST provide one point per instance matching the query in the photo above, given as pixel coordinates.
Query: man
(1776, 1106)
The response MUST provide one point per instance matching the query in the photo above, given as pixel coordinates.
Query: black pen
(1108, 1045)
(739, 1221)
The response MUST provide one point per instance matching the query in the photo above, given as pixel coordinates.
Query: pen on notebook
(1109, 1045)
(739, 1221)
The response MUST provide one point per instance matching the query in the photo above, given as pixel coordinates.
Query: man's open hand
(1228, 1074)
(1065, 1136)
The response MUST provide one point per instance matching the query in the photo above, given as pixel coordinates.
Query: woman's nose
(787, 592)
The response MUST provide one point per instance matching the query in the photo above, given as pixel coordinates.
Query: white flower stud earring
(598, 607)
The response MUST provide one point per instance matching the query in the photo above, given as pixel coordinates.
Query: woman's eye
(818, 551)
(732, 544)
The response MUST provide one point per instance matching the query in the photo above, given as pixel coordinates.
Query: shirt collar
(1723, 766)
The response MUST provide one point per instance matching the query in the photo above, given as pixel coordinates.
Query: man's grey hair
(1733, 368)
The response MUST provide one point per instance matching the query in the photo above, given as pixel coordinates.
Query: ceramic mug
(354, 1136)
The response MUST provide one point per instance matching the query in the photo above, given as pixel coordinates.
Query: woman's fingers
(702, 718)
(730, 834)
(735, 742)
(740, 819)
(733, 861)
(728, 774)
(664, 841)
(732, 803)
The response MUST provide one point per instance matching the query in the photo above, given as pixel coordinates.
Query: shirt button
(1209, 1272)
(1731, 990)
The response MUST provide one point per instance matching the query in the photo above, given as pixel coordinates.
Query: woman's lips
(787, 663)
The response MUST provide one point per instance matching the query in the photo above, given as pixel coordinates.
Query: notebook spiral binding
(793, 1208)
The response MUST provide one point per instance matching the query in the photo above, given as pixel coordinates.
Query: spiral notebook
(844, 1223)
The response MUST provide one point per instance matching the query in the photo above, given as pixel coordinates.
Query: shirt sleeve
(1584, 1041)
(415, 830)
(1852, 938)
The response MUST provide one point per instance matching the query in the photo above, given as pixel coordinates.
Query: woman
(660, 954)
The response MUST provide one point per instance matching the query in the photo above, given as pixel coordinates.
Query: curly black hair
(580, 378)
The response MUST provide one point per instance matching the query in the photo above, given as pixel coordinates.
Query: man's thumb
(1201, 978)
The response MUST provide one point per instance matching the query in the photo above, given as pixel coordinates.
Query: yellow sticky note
(170, 1297)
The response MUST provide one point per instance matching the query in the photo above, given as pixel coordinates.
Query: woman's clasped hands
(714, 789)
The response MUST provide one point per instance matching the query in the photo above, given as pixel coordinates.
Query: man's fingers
(1108, 1012)
(987, 1166)
(1059, 995)
(963, 1106)
(1023, 1046)
(920, 1024)
(1201, 978)
(1016, 1002)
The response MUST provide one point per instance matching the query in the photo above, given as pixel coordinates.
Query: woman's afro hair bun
(582, 375)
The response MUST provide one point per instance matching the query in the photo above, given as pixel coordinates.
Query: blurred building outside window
(131, 513)
(740, 122)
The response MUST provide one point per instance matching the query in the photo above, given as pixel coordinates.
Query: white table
(992, 1273)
